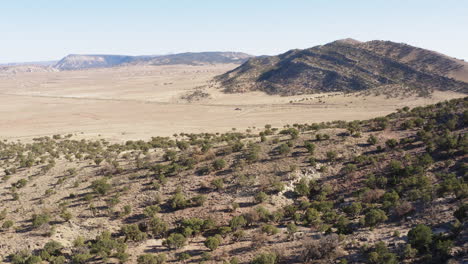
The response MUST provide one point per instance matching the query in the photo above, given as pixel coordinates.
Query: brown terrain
(348, 152)
(349, 66)
(137, 102)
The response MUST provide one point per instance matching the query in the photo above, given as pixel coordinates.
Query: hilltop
(348, 66)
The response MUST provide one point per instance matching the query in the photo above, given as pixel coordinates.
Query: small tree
(175, 241)
(265, 258)
(284, 149)
(261, 197)
(302, 188)
(292, 228)
(375, 217)
(178, 201)
(101, 186)
(312, 217)
(372, 140)
(218, 184)
(133, 233)
(40, 219)
(219, 164)
(237, 222)
(270, 229)
(391, 143)
(353, 209)
(151, 211)
(420, 237)
(213, 242)
(381, 255)
(157, 227)
(151, 259)
(310, 147)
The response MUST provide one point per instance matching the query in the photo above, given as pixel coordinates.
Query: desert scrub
(40, 219)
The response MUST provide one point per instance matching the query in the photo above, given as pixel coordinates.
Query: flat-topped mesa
(347, 65)
(78, 62)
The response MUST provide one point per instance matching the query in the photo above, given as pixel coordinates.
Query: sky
(41, 30)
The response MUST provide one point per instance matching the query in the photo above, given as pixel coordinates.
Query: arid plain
(137, 102)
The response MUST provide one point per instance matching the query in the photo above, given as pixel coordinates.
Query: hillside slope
(347, 66)
(386, 190)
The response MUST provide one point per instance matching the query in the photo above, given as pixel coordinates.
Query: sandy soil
(142, 101)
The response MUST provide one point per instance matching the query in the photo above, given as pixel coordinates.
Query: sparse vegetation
(326, 196)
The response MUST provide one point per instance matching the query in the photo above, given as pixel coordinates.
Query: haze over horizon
(43, 31)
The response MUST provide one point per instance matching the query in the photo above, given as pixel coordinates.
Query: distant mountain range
(79, 62)
(348, 65)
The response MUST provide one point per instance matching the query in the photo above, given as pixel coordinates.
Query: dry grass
(143, 101)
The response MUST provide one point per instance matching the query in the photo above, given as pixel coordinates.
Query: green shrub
(151, 210)
(57, 260)
(175, 241)
(420, 237)
(261, 213)
(218, 184)
(349, 168)
(178, 201)
(213, 242)
(372, 140)
(66, 215)
(237, 222)
(291, 228)
(302, 188)
(51, 249)
(270, 229)
(219, 164)
(133, 233)
(198, 200)
(294, 133)
(196, 225)
(381, 255)
(283, 149)
(20, 183)
(151, 259)
(24, 257)
(105, 246)
(7, 224)
(312, 217)
(374, 217)
(40, 219)
(391, 143)
(353, 209)
(310, 147)
(157, 227)
(81, 258)
(261, 197)
(409, 252)
(101, 186)
(183, 256)
(252, 154)
(265, 258)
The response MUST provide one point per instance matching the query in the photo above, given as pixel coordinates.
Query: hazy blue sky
(32, 30)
